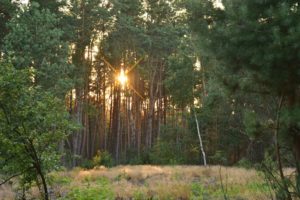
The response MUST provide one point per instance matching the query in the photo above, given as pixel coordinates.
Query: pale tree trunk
(200, 139)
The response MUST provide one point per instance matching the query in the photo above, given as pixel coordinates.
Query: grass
(6, 192)
(90, 190)
(156, 182)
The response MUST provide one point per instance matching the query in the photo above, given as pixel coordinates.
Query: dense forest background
(206, 82)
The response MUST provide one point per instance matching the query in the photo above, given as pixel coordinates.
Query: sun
(122, 78)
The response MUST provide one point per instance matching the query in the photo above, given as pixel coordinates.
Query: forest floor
(155, 182)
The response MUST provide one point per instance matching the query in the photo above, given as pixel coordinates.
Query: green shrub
(121, 176)
(245, 163)
(166, 153)
(100, 189)
(197, 191)
(139, 195)
(103, 158)
(219, 157)
(87, 164)
(56, 178)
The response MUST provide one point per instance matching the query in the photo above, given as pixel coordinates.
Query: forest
(191, 92)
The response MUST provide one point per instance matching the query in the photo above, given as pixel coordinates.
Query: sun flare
(122, 78)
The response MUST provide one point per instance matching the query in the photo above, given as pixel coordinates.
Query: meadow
(153, 182)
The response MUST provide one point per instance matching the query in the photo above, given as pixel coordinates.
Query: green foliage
(181, 79)
(122, 176)
(227, 34)
(128, 33)
(290, 116)
(219, 157)
(7, 10)
(143, 158)
(32, 122)
(35, 42)
(134, 159)
(100, 189)
(201, 192)
(269, 171)
(231, 38)
(97, 158)
(245, 163)
(103, 158)
(87, 164)
(198, 191)
(139, 195)
(175, 146)
(54, 179)
(164, 153)
(252, 125)
(54, 5)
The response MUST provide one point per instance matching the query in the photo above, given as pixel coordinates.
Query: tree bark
(294, 132)
(200, 139)
(277, 148)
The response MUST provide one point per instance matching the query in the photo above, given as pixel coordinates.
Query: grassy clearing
(156, 182)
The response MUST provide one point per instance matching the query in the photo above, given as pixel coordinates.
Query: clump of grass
(55, 179)
(139, 195)
(99, 189)
(173, 191)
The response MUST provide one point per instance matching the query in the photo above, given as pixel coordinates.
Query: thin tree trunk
(118, 127)
(292, 101)
(38, 167)
(46, 194)
(200, 139)
(286, 188)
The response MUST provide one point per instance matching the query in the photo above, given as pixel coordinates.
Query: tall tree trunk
(277, 148)
(118, 128)
(115, 129)
(294, 131)
(77, 136)
(200, 139)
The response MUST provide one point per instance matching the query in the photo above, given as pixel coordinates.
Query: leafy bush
(103, 158)
(99, 190)
(173, 150)
(138, 195)
(55, 179)
(32, 124)
(197, 191)
(245, 163)
(165, 153)
(87, 164)
(282, 186)
(219, 157)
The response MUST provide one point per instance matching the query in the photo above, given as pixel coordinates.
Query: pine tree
(7, 10)
(258, 39)
(35, 42)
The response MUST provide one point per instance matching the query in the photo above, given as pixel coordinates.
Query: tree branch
(13, 176)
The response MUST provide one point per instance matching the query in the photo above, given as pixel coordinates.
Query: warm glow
(122, 78)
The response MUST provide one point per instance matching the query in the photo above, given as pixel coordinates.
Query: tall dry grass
(162, 182)
(6, 192)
